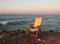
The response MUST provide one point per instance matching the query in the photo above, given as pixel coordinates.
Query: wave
(14, 22)
(4, 22)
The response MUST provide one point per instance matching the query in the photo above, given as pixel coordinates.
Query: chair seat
(33, 30)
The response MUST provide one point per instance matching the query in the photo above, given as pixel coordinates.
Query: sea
(22, 22)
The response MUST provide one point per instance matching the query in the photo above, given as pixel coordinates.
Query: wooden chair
(36, 27)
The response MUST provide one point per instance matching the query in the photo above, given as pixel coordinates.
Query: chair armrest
(31, 25)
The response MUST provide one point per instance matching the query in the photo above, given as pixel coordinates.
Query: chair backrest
(38, 21)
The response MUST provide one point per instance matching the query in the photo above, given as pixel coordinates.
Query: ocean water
(13, 22)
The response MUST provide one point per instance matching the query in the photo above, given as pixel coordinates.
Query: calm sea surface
(13, 22)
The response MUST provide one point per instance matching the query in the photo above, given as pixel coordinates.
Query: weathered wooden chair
(36, 27)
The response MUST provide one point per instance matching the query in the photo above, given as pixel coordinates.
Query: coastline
(19, 37)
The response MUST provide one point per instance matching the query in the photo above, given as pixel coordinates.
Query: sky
(30, 6)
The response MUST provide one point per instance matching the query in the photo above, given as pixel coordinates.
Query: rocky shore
(19, 37)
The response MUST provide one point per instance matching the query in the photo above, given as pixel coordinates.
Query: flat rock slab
(51, 38)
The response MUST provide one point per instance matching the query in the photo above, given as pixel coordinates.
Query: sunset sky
(30, 6)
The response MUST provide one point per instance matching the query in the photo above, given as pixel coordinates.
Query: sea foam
(3, 22)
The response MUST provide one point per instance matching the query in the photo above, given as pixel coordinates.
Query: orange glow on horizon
(30, 9)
